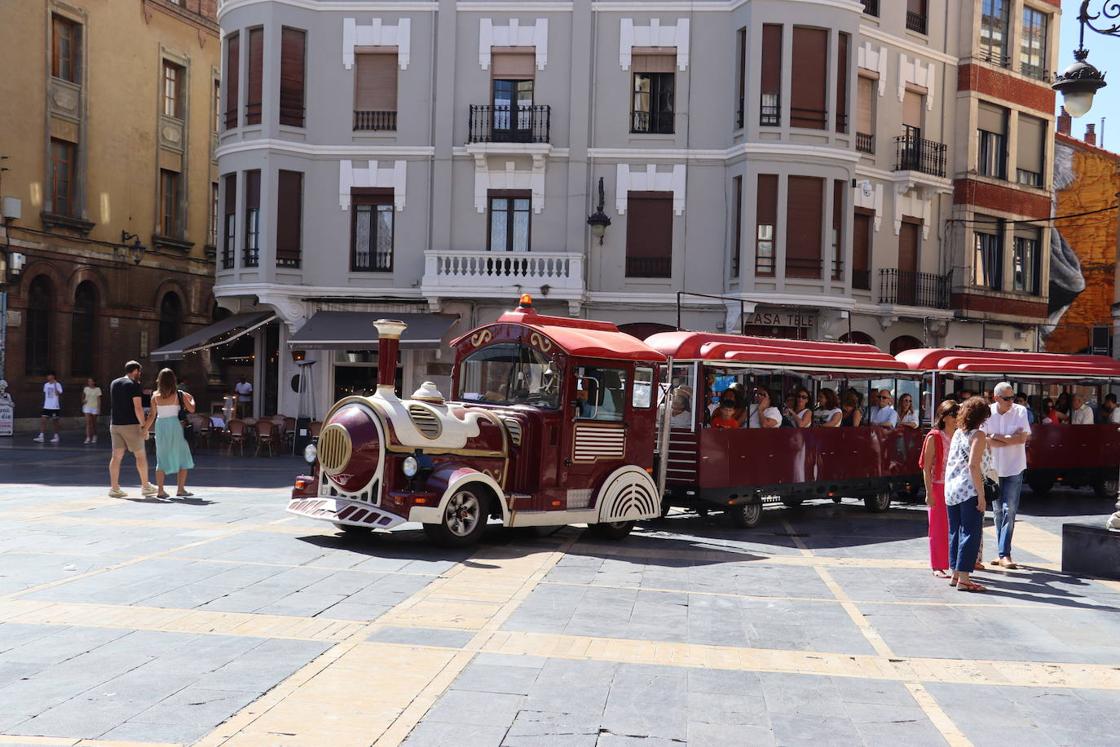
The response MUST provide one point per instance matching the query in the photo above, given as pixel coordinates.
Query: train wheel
(878, 503)
(1040, 486)
(837, 499)
(464, 519)
(613, 530)
(746, 515)
(792, 502)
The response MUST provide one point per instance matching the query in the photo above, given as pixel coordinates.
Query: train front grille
(334, 448)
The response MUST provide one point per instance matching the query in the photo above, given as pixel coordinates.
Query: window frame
(292, 256)
(37, 341)
(665, 202)
(991, 145)
(291, 113)
(173, 79)
(212, 229)
(170, 223)
(229, 222)
(509, 197)
(83, 330)
(68, 166)
(375, 198)
(1025, 263)
(659, 121)
(986, 47)
(66, 66)
(251, 250)
(1031, 69)
(737, 244)
(988, 275)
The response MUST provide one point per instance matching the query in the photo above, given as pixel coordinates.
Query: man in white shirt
(244, 396)
(885, 414)
(52, 407)
(1008, 432)
(1111, 409)
(1081, 413)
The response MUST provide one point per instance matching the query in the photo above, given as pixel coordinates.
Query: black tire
(615, 530)
(746, 515)
(792, 502)
(464, 518)
(837, 499)
(878, 503)
(1041, 486)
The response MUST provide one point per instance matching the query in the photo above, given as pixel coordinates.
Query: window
(770, 111)
(992, 129)
(509, 374)
(212, 232)
(649, 234)
(509, 222)
(1032, 50)
(809, 75)
(654, 81)
(62, 177)
(865, 114)
(37, 350)
(916, 17)
(737, 252)
(170, 316)
(256, 77)
(861, 249)
(289, 218)
(65, 49)
(740, 75)
(375, 92)
(229, 221)
(987, 269)
(217, 106)
(371, 230)
(251, 252)
(643, 386)
(1030, 151)
(169, 224)
(600, 393)
(993, 31)
(804, 223)
(293, 43)
(511, 112)
(1025, 261)
(174, 81)
(766, 200)
(232, 78)
(83, 330)
(839, 188)
(842, 83)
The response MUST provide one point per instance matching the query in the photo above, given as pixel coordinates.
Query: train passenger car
(738, 469)
(552, 421)
(1083, 455)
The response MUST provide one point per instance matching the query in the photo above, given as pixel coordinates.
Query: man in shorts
(126, 415)
(52, 407)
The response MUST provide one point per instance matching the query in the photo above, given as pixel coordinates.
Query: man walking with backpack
(126, 415)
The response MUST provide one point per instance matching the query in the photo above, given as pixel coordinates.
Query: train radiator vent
(334, 448)
(513, 425)
(425, 421)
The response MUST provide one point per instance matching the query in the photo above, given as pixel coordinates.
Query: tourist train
(555, 420)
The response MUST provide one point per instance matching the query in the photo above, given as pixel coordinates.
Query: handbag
(991, 490)
(188, 427)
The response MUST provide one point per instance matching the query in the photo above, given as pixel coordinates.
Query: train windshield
(510, 374)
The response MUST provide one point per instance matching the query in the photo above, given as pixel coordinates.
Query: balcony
(903, 288)
(865, 143)
(915, 153)
(485, 274)
(649, 267)
(871, 7)
(916, 21)
(652, 123)
(510, 124)
(374, 121)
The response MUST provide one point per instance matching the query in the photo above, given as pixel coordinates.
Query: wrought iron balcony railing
(904, 288)
(504, 123)
(915, 153)
(871, 7)
(916, 21)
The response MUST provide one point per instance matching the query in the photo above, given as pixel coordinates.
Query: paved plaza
(220, 620)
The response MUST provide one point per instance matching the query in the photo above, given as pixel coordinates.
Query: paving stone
(423, 636)
(441, 734)
(476, 708)
(533, 728)
(493, 678)
(728, 735)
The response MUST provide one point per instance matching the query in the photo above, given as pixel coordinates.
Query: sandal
(979, 566)
(162, 495)
(970, 586)
(953, 581)
(940, 573)
(184, 494)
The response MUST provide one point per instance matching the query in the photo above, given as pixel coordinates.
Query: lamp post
(599, 220)
(1080, 81)
(135, 250)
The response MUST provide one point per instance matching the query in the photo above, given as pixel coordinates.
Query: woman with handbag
(172, 452)
(965, 491)
(935, 453)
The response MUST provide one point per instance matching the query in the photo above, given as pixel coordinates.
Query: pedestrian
(969, 460)
(1081, 414)
(91, 408)
(126, 429)
(52, 407)
(244, 392)
(935, 453)
(172, 452)
(885, 414)
(1008, 430)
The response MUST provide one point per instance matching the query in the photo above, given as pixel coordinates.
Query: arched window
(170, 317)
(904, 342)
(38, 342)
(859, 338)
(83, 330)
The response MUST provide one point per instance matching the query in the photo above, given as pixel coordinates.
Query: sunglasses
(803, 396)
(883, 396)
(1007, 399)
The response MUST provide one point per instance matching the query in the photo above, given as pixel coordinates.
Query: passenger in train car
(800, 413)
(1050, 414)
(1110, 413)
(851, 414)
(964, 395)
(763, 413)
(828, 411)
(1081, 413)
(1022, 399)
(680, 414)
(907, 415)
(1061, 405)
(885, 415)
(725, 416)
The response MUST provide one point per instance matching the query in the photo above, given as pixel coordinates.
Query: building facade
(108, 128)
(799, 168)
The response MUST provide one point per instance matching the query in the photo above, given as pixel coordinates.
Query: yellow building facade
(108, 125)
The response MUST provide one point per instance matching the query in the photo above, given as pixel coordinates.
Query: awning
(218, 333)
(353, 330)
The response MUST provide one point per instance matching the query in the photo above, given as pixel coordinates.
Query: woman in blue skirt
(172, 452)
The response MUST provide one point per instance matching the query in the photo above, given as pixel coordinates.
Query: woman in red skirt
(935, 452)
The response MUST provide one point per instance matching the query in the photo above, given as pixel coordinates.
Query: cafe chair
(236, 435)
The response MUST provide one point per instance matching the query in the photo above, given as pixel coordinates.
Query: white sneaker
(117, 493)
(93, 440)
(87, 441)
(148, 490)
(55, 439)
(39, 439)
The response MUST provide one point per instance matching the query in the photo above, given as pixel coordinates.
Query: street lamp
(1081, 80)
(599, 220)
(136, 250)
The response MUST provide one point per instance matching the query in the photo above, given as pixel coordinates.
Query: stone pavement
(221, 620)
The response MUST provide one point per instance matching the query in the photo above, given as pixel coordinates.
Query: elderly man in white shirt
(885, 414)
(1080, 413)
(1008, 431)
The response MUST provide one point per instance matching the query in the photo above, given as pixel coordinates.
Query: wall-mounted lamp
(134, 251)
(298, 355)
(599, 220)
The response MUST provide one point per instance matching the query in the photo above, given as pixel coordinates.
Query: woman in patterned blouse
(969, 460)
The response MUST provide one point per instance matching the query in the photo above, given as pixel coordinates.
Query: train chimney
(389, 333)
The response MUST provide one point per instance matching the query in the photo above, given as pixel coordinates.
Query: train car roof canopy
(947, 360)
(723, 348)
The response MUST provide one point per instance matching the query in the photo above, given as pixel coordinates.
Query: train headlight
(410, 466)
(310, 453)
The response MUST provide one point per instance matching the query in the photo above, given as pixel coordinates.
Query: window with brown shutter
(256, 77)
(737, 252)
(649, 234)
(861, 249)
(804, 219)
(62, 177)
(65, 49)
(289, 218)
(770, 113)
(252, 249)
(232, 77)
(809, 75)
(865, 114)
(839, 187)
(766, 207)
(912, 105)
(1032, 143)
(293, 43)
(842, 84)
(907, 277)
(518, 63)
(229, 221)
(375, 91)
(740, 75)
(169, 223)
